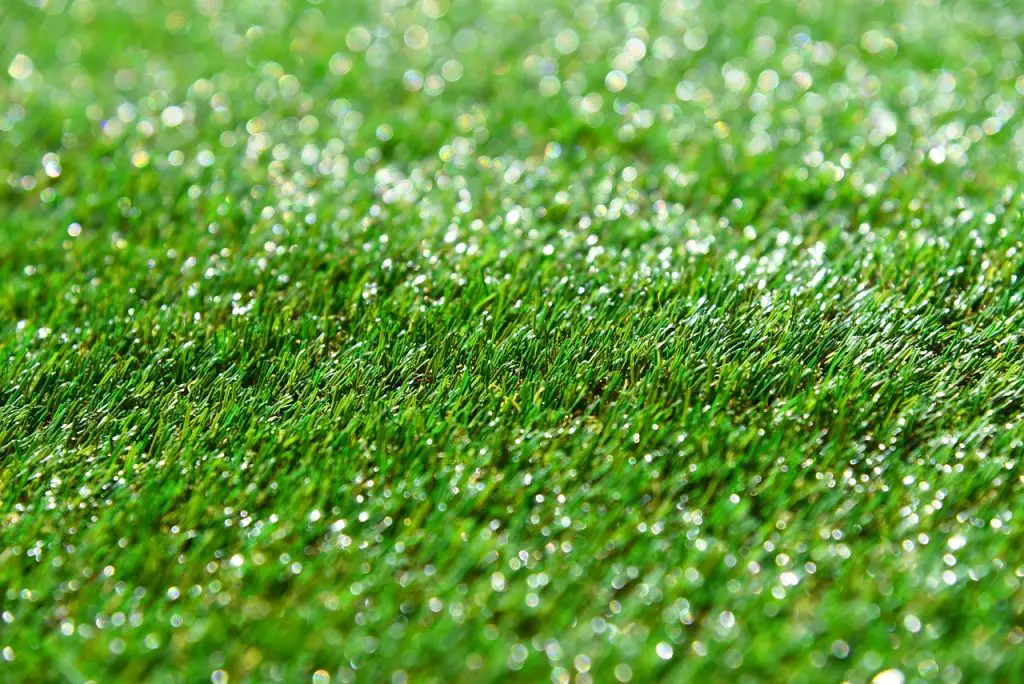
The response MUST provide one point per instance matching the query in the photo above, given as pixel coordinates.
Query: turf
(508, 340)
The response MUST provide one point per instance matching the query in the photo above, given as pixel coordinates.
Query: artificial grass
(511, 341)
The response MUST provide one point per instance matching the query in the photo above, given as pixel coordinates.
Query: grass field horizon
(451, 341)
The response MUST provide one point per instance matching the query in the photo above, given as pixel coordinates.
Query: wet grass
(450, 341)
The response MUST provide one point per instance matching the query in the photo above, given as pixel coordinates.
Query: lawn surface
(508, 340)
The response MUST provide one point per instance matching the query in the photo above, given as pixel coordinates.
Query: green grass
(450, 340)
